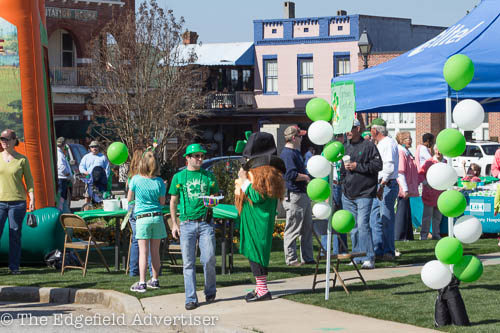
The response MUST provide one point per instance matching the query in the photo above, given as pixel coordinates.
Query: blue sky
(231, 20)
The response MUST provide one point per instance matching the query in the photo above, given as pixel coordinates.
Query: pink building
(296, 58)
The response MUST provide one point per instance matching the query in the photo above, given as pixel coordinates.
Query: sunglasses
(198, 156)
(94, 146)
(4, 139)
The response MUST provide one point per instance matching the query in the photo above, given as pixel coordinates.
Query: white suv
(479, 152)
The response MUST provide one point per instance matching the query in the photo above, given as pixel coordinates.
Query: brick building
(71, 25)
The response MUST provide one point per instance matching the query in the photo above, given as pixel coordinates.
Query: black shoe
(251, 294)
(266, 297)
(310, 262)
(191, 306)
(210, 299)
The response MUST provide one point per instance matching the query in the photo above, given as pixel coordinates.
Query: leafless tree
(143, 80)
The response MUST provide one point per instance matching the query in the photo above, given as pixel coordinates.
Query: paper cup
(346, 159)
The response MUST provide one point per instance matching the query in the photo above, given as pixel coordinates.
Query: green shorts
(150, 228)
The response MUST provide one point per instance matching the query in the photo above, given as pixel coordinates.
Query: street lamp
(365, 46)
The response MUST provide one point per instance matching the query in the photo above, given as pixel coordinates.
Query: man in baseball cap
(194, 225)
(297, 204)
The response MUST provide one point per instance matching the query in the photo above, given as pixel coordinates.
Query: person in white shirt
(424, 150)
(63, 173)
(382, 218)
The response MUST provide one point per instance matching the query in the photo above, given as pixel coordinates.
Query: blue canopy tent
(414, 82)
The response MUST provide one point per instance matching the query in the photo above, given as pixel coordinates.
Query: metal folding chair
(319, 229)
(77, 223)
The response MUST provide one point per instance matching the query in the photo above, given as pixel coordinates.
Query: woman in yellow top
(13, 168)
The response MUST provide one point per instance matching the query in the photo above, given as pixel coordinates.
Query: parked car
(76, 153)
(479, 152)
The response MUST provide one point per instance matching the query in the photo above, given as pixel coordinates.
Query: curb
(111, 299)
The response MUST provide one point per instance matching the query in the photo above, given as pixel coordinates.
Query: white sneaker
(397, 253)
(368, 264)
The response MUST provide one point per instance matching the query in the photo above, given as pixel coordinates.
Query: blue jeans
(15, 211)
(337, 200)
(203, 233)
(382, 220)
(361, 234)
(134, 249)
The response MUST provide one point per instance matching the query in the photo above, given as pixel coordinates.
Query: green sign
(344, 106)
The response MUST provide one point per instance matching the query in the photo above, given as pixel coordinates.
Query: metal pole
(329, 241)
(448, 125)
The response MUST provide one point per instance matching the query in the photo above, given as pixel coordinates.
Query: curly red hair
(267, 181)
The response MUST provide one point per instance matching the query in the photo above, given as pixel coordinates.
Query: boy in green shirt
(186, 188)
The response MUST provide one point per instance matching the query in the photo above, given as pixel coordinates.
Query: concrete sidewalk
(280, 315)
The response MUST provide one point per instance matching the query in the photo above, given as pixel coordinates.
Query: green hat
(194, 148)
(377, 121)
(365, 133)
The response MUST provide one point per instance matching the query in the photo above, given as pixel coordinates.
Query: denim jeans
(337, 200)
(382, 220)
(203, 233)
(134, 249)
(361, 234)
(15, 211)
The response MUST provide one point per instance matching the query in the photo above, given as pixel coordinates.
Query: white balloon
(468, 229)
(318, 166)
(322, 210)
(468, 114)
(441, 176)
(320, 132)
(436, 275)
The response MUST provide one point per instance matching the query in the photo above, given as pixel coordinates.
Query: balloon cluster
(458, 71)
(320, 132)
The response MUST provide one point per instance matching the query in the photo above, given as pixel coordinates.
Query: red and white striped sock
(261, 285)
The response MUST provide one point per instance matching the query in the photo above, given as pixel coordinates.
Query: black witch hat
(261, 150)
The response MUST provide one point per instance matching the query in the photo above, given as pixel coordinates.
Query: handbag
(31, 220)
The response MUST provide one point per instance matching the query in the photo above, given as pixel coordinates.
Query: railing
(230, 101)
(69, 76)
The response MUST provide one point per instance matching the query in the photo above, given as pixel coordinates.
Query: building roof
(222, 54)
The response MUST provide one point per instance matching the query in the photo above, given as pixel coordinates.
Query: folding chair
(169, 248)
(76, 222)
(319, 229)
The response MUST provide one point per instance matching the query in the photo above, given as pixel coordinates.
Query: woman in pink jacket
(429, 198)
(408, 181)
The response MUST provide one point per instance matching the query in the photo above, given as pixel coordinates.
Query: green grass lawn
(172, 280)
(10, 87)
(408, 300)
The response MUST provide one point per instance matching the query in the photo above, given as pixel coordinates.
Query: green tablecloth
(224, 211)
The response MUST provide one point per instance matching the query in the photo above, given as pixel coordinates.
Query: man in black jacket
(359, 171)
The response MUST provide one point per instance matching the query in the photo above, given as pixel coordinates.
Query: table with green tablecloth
(227, 213)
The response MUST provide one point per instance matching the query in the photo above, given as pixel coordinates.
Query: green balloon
(343, 221)
(452, 203)
(117, 153)
(318, 189)
(319, 109)
(469, 269)
(333, 151)
(449, 250)
(450, 142)
(458, 71)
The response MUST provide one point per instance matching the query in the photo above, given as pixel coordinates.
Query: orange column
(25, 15)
